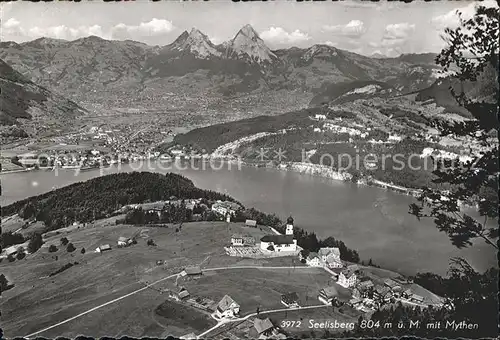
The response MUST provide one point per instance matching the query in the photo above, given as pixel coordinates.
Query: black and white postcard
(249, 169)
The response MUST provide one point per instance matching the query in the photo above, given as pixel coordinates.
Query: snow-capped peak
(197, 43)
(247, 43)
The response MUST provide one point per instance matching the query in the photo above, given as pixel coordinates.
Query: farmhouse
(242, 240)
(263, 326)
(179, 295)
(320, 117)
(313, 260)
(227, 308)
(407, 294)
(290, 299)
(382, 294)
(103, 248)
(417, 298)
(225, 207)
(347, 277)
(355, 302)
(265, 329)
(192, 271)
(392, 284)
(363, 289)
(328, 294)
(331, 257)
(251, 223)
(123, 241)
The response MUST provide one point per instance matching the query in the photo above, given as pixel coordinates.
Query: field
(38, 301)
(263, 286)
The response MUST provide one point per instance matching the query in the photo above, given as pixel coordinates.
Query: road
(148, 286)
(100, 306)
(223, 322)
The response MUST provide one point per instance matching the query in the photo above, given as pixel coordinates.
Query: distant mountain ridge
(129, 73)
(25, 103)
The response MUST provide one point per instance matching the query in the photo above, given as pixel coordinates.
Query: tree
(4, 284)
(35, 243)
(82, 251)
(9, 238)
(11, 258)
(151, 242)
(473, 49)
(52, 248)
(64, 241)
(28, 211)
(21, 254)
(70, 248)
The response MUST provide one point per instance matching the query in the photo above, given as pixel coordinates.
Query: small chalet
(330, 257)
(264, 327)
(382, 294)
(251, 223)
(290, 299)
(123, 241)
(363, 289)
(103, 248)
(407, 294)
(193, 271)
(225, 207)
(355, 302)
(328, 294)
(393, 285)
(227, 308)
(347, 277)
(417, 298)
(313, 260)
(242, 240)
(181, 294)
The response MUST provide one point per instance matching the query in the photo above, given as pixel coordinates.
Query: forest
(99, 197)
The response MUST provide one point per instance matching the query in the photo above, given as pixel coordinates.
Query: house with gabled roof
(251, 223)
(290, 299)
(103, 248)
(227, 308)
(193, 271)
(330, 257)
(313, 260)
(328, 294)
(263, 326)
(347, 278)
(382, 294)
(242, 240)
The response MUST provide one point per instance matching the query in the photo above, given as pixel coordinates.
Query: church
(278, 243)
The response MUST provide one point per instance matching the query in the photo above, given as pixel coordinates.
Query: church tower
(289, 226)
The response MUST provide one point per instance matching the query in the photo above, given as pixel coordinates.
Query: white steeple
(289, 226)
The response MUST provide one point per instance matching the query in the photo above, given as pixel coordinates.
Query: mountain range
(93, 70)
(25, 103)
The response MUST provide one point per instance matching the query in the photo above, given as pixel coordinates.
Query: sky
(388, 28)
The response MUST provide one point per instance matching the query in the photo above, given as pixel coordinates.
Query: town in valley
(210, 171)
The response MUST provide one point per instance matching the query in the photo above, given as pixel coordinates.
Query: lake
(373, 221)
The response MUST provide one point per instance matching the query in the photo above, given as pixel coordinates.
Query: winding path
(152, 284)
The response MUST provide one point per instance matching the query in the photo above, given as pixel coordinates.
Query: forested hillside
(98, 197)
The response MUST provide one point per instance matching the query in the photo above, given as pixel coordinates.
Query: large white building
(227, 308)
(330, 257)
(278, 243)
